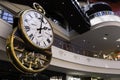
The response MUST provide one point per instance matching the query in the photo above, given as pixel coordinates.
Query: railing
(101, 13)
(66, 45)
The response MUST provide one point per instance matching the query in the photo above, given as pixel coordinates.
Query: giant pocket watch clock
(24, 60)
(36, 29)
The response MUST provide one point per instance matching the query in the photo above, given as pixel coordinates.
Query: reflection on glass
(5, 15)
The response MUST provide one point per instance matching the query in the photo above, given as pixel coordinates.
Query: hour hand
(39, 29)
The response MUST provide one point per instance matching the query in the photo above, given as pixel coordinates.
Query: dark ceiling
(109, 0)
(65, 11)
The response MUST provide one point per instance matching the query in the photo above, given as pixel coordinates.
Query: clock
(36, 30)
(24, 60)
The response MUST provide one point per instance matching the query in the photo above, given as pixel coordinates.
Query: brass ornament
(39, 8)
(26, 60)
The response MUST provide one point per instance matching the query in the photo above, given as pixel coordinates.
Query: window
(5, 15)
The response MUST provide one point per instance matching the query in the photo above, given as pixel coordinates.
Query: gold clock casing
(31, 44)
(24, 60)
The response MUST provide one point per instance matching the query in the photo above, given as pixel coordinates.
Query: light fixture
(118, 45)
(105, 38)
(118, 40)
(71, 15)
(84, 40)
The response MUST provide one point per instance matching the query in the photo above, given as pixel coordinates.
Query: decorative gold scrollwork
(39, 8)
(25, 60)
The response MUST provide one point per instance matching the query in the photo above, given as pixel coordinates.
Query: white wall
(5, 31)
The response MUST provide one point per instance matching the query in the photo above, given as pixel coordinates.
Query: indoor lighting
(105, 38)
(118, 45)
(84, 40)
(118, 40)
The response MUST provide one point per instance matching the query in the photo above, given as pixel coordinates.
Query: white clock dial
(37, 29)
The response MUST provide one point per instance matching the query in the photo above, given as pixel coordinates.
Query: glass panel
(4, 17)
(10, 15)
(10, 18)
(5, 13)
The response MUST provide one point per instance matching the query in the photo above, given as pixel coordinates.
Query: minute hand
(44, 28)
(41, 19)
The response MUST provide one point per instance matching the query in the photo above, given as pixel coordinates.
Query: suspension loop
(38, 7)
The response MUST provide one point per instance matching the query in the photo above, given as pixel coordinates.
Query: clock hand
(40, 24)
(44, 28)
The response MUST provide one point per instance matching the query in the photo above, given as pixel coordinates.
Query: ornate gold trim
(26, 61)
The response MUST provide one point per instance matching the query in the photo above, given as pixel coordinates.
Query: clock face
(36, 29)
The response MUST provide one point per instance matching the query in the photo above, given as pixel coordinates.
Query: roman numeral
(48, 40)
(31, 36)
(38, 43)
(41, 19)
(44, 43)
(49, 29)
(27, 28)
(49, 34)
(30, 15)
(26, 20)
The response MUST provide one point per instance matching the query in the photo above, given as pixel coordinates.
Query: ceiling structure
(104, 39)
(106, 0)
(65, 11)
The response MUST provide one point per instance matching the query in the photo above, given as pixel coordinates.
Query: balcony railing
(79, 50)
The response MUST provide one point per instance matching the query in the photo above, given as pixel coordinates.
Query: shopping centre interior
(85, 45)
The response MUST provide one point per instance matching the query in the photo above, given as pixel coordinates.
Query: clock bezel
(29, 42)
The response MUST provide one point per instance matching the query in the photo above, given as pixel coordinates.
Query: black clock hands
(44, 28)
(39, 29)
